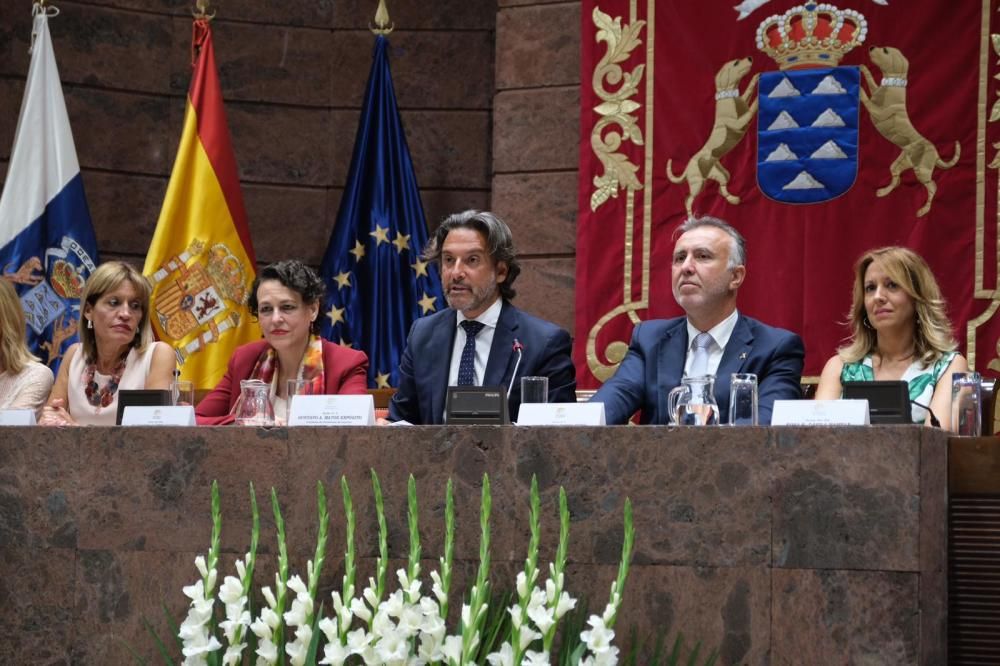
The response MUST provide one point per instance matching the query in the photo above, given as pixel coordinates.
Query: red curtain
(648, 95)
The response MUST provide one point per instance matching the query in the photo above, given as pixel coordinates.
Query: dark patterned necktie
(467, 366)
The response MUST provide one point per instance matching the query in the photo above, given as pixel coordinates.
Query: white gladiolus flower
(334, 653)
(231, 591)
(528, 636)
(202, 567)
(394, 604)
(566, 604)
(452, 648)
(505, 657)
(361, 611)
(543, 617)
(522, 585)
(438, 588)
(269, 596)
(267, 651)
(599, 637)
(329, 629)
(532, 658)
(233, 654)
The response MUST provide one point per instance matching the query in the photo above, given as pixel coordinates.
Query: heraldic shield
(807, 133)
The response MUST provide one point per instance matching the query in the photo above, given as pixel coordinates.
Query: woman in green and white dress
(900, 332)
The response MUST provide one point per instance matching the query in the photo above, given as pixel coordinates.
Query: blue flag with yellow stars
(377, 284)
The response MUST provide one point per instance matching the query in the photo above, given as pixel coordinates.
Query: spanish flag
(201, 261)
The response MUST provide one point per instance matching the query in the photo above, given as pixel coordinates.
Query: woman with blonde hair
(24, 381)
(116, 350)
(900, 332)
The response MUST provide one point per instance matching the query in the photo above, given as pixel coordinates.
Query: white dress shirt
(484, 340)
(720, 333)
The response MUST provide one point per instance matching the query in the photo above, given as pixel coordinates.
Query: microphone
(934, 420)
(518, 347)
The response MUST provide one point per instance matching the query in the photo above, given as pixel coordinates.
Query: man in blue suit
(481, 339)
(708, 267)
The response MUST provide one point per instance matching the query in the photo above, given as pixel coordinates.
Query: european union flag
(47, 244)
(377, 283)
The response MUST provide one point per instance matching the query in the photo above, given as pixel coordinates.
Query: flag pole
(382, 26)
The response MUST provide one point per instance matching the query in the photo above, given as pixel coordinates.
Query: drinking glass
(534, 389)
(743, 399)
(294, 387)
(182, 392)
(966, 398)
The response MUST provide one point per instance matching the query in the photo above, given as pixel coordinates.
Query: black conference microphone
(518, 347)
(934, 420)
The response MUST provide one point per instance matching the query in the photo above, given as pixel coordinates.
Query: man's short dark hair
(499, 243)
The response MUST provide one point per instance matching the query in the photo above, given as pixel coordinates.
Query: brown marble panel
(933, 544)
(36, 593)
(15, 36)
(536, 130)
(546, 289)
(444, 15)
(538, 46)
(442, 70)
(93, 46)
(122, 131)
(540, 209)
(449, 149)
(439, 204)
(11, 94)
(288, 222)
(851, 506)
(516, 3)
(271, 63)
(38, 501)
(727, 610)
(316, 13)
(124, 209)
(138, 494)
(278, 144)
(852, 617)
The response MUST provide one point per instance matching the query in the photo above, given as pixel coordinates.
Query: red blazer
(346, 372)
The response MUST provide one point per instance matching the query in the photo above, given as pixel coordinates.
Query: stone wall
(771, 545)
(293, 74)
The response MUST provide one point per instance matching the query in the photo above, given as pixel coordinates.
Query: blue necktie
(699, 359)
(467, 365)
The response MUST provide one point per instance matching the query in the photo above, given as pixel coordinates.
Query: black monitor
(476, 405)
(141, 398)
(888, 402)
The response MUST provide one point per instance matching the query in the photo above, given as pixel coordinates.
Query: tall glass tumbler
(743, 399)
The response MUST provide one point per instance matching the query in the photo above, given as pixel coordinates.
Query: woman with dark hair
(286, 299)
(116, 350)
(24, 381)
(900, 332)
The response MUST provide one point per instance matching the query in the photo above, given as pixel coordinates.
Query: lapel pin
(743, 356)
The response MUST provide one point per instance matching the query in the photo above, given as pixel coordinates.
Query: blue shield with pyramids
(807, 133)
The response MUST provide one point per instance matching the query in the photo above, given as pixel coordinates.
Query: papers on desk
(820, 413)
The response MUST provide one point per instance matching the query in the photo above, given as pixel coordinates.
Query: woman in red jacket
(286, 298)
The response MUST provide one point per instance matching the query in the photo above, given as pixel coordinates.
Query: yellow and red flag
(201, 261)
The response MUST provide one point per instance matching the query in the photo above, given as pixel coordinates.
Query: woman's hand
(55, 414)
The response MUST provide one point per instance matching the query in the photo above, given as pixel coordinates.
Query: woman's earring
(90, 323)
(867, 324)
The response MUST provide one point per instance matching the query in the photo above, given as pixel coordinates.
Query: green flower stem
(413, 564)
(279, 632)
(478, 602)
(530, 567)
(382, 565)
(449, 546)
(350, 566)
(322, 533)
(559, 567)
(251, 560)
(213, 552)
(618, 590)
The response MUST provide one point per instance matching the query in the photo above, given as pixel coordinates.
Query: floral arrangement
(405, 627)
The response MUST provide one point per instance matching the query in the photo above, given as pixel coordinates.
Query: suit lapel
(498, 365)
(436, 371)
(670, 364)
(734, 359)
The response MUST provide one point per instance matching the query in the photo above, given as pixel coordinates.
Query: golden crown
(227, 273)
(811, 35)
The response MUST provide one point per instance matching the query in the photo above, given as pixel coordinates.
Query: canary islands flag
(47, 244)
(377, 284)
(201, 261)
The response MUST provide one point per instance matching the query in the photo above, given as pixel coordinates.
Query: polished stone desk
(774, 545)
